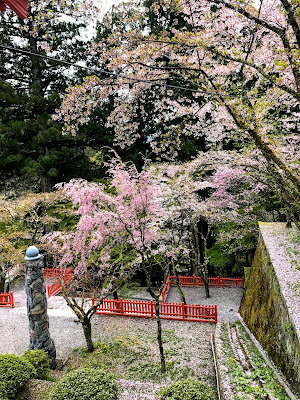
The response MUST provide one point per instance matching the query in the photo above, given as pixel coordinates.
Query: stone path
(14, 326)
(67, 333)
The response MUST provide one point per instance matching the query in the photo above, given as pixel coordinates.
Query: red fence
(7, 300)
(175, 311)
(64, 275)
(166, 289)
(194, 281)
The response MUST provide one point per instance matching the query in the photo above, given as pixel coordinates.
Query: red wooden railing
(166, 289)
(177, 311)
(64, 275)
(174, 311)
(193, 281)
(7, 300)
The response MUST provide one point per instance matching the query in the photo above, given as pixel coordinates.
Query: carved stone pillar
(37, 305)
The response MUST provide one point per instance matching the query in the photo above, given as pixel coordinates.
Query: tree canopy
(227, 72)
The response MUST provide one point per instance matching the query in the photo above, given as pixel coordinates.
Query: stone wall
(266, 308)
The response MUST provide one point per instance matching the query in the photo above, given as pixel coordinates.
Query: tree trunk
(179, 287)
(83, 317)
(87, 329)
(206, 286)
(159, 338)
(2, 284)
(37, 68)
(247, 259)
(115, 294)
(202, 267)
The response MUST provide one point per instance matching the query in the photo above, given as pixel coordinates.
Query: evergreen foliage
(86, 384)
(14, 373)
(39, 360)
(33, 151)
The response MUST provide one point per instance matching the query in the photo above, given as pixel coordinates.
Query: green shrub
(86, 384)
(187, 390)
(2, 391)
(39, 359)
(14, 373)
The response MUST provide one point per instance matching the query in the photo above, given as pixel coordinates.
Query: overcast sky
(106, 4)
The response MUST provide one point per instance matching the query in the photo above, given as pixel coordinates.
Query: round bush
(2, 391)
(86, 384)
(39, 359)
(187, 390)
(14, 373)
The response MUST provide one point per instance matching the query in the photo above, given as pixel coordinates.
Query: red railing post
(182, 304)
(216, 314)
(193, 280)
(163, 293)
(218, 281)
(121, 304)
(12, 300)
(151, 305)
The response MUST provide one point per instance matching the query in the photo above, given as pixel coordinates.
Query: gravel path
(14, 326)
(227, 299)
(67, 333)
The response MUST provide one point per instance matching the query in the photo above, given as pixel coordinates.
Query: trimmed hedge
(86, 384)
(187, 390)
(14, 373)
(39, 359)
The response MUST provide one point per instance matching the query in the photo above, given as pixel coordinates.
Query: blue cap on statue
(32, 253)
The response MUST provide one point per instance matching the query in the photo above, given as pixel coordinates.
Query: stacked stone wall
(264, 310)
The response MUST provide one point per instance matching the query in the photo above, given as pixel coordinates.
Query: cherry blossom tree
(185, 209)
(41, 13)
(122, 220)
(202, 198)
(231, 73)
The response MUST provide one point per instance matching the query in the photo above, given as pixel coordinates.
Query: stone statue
(37, 305)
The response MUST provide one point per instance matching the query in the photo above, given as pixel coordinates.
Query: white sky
(104, 6)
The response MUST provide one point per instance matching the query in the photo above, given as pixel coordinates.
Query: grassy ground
(244, 373)
(128, 348)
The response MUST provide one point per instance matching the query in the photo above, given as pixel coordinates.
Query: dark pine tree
(33, 151)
